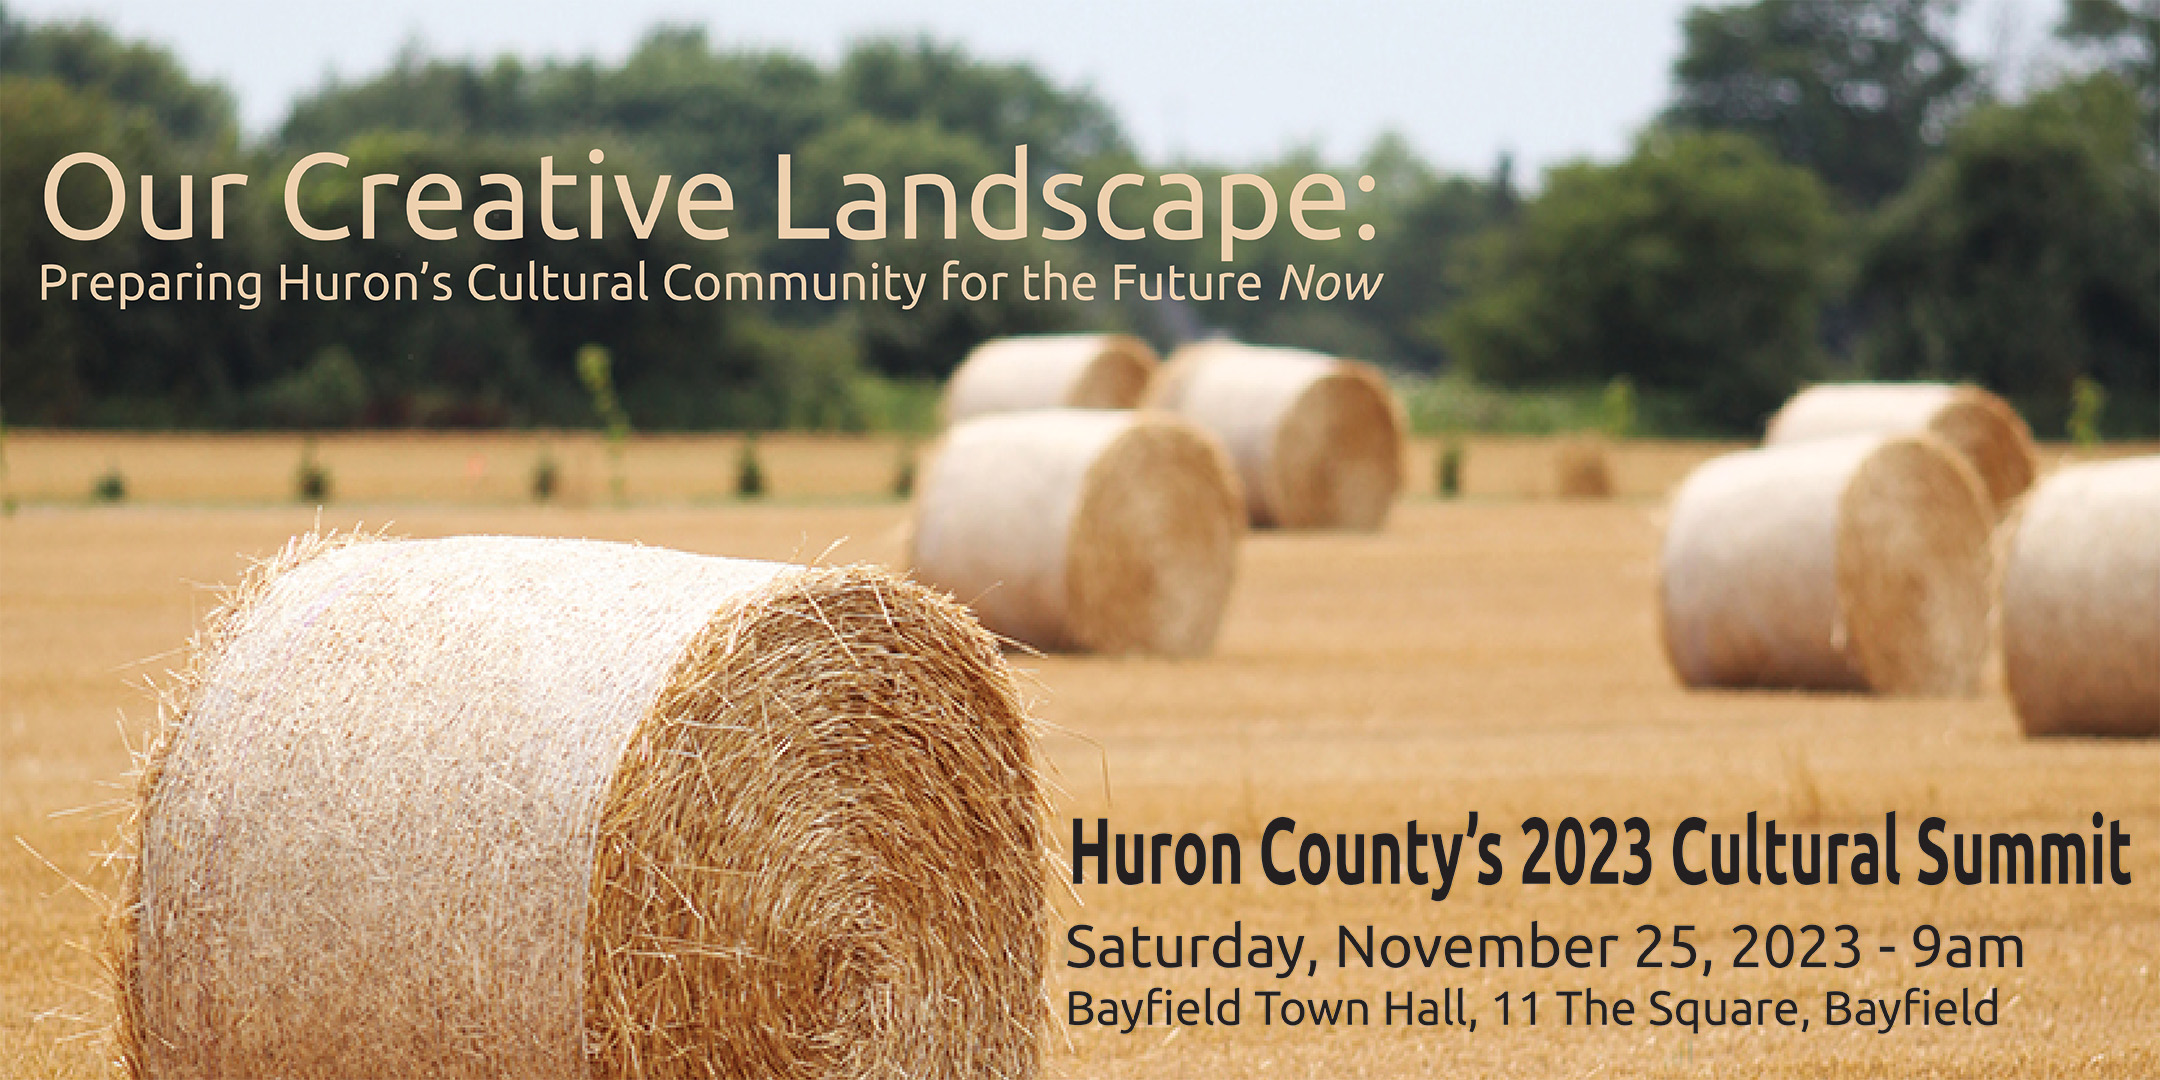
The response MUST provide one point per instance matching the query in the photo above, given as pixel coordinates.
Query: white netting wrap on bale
(1083, 529)
(1318, 442)
(1048, 371)
(492, 807)
(1984, 428)
(1847, 564)
(2081, 602)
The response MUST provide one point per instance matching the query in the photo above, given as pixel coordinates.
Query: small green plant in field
(311, 481)
(110, 486)
(546, 476)
(1616, 408)
(7, 494)
(1447, 471)
(903, 481)
(2088, 400)
(593, 367)
(749, 473)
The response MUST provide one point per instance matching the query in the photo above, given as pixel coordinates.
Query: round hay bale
(488, 807)
(1048, 371)
(2081, 602)
(1847, 564)
(1581, 469)
(1083, 529)
(1984, 428)
(1318, 442)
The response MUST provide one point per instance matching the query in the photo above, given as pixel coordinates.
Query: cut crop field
(1498, 655)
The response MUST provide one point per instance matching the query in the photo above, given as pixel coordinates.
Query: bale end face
(1338, 454)
(870, 902)
(1154, 544)
(1994, 439)
(1046, 371)
(1085, 530)
(1118, 379)
(1982, 427)
(1912, 567)
(1846, 564)
(1317, 441)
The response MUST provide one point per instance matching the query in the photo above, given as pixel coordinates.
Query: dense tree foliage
(1831, 191)
(1693, 268)
(2028, 257)
(2124, 39)
(73, 88)
(131, 75)
(1858, 90)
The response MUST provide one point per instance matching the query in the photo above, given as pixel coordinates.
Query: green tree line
(1832, 192)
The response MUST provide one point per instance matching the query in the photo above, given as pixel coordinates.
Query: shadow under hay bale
(1847, 564)
(1317, 441)
(1990, 434)
(2081, 602)
(488, 807)
(1049, 371)
(1582, 469)
(1083, 529)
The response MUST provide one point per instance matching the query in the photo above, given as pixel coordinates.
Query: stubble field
(1498, 654)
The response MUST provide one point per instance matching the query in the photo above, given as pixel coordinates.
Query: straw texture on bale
(2081, 602)
(1990, 434)
(1847, 564)
(1048, 371)
(1582, 470)
(489, 807)
(1317, 441)
(1083, 529)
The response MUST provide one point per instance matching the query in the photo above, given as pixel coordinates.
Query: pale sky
(1217, 80)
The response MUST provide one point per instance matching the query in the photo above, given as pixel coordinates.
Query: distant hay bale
(1979, 425)
(488, 807)
(1048, 371)
(1083, 529)
(2081, 602)
(1318, 442)
(1848, 564)
(1581, 469)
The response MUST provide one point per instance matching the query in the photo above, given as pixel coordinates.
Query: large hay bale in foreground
(1984, 428)
(1318, 442)
(1083, 529)
(2081, 602)
(1049, 371)
(488, 807)
(1848, 564)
